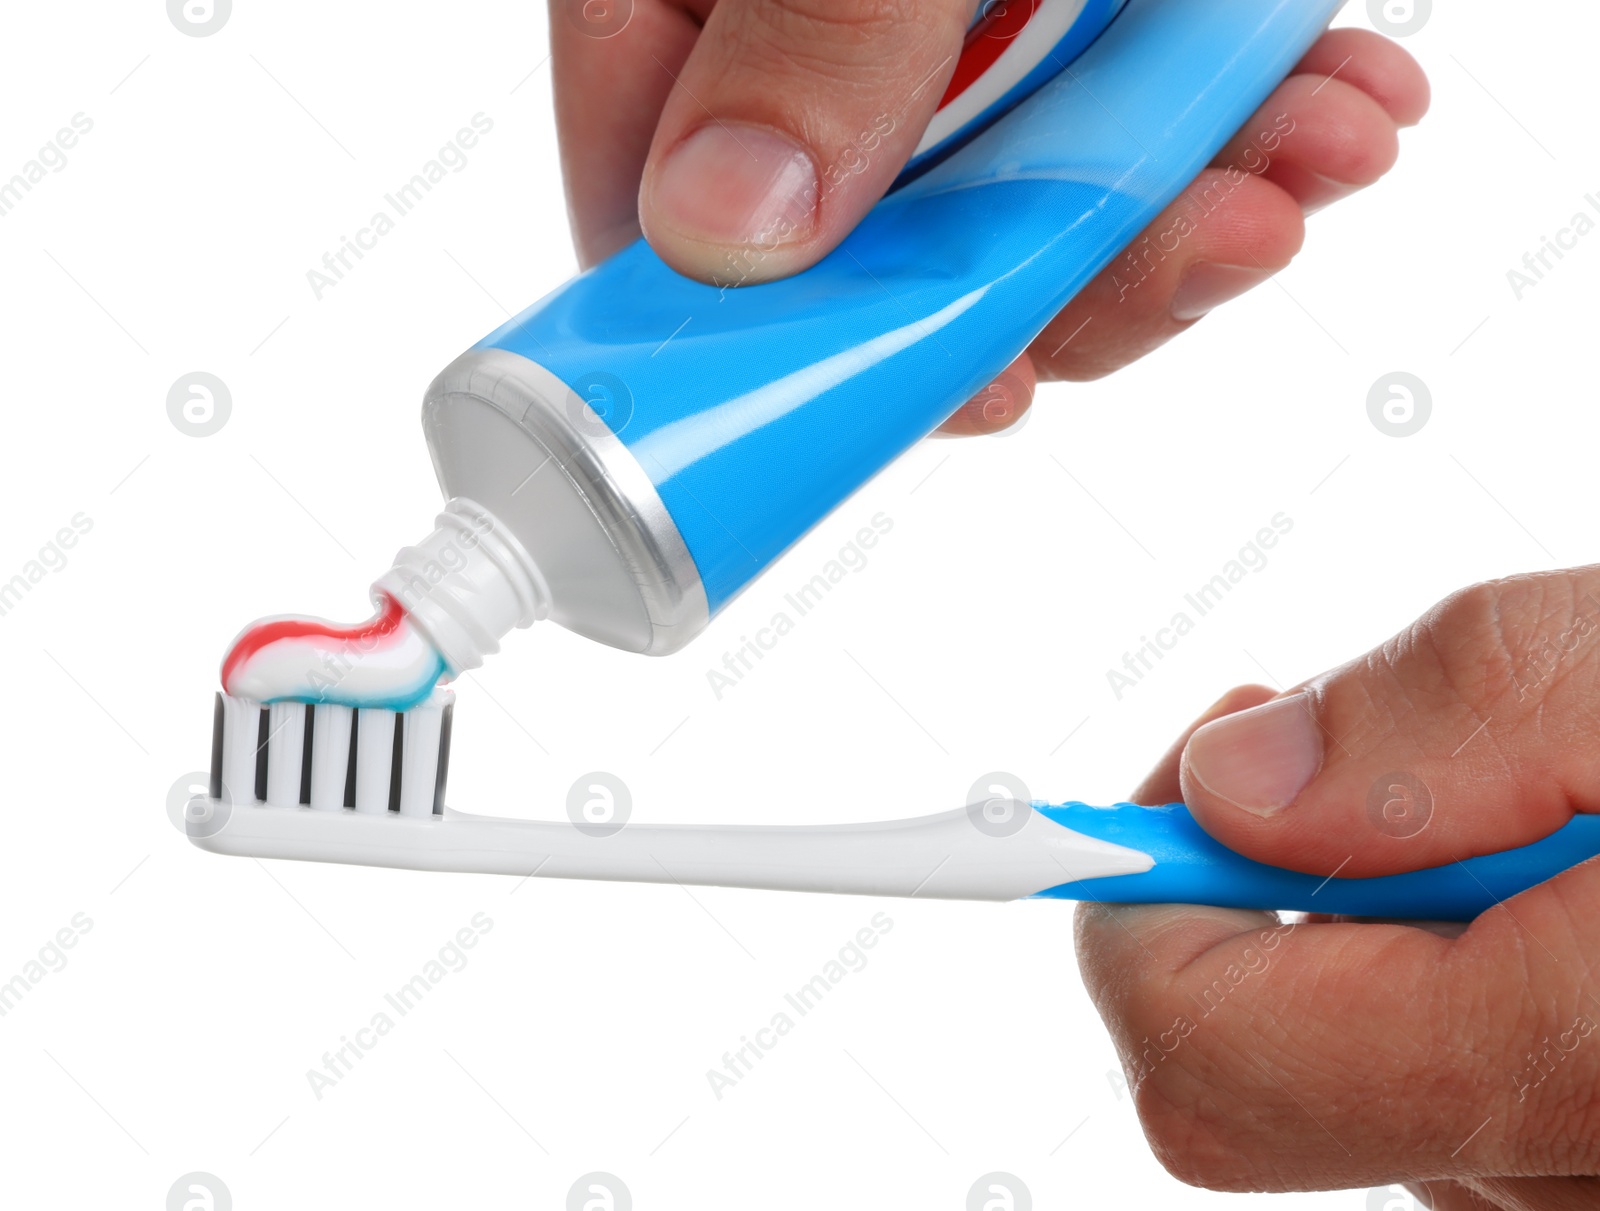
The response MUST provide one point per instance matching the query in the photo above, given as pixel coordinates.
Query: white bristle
(330, 756)
(286, 744)
(374, 759)
(241, 725)
(423, 735)
(419, 767)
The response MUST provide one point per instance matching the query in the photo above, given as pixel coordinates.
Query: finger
(1188, 996)
(1229, 231)
(787, 122)
(1319, 139)
(1445, 929)
(1259, 1053)
(1160, 785)
(1150, 941)
(1127, 956)
(1379, 67)
(1472, 731)
(1313, 139)
(609, 92)
(999, 406)
(1199, 925)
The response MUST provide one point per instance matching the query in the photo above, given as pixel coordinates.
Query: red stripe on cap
(986, 41)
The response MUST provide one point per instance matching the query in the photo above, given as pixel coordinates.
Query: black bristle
(214, 787)
(263, 730)
(350, 770)
(397, 766)
(444, 760)
(305, 757)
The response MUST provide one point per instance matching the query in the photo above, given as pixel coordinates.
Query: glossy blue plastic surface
(1192, 868)
(1096, 15)
(755, 410)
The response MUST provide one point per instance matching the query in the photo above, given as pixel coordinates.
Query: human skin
(692, 125)
(701, 121)
(1463, 1061)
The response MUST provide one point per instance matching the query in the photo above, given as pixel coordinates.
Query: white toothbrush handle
(993, 851)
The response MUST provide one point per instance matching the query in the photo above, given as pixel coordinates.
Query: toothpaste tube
(634, 449)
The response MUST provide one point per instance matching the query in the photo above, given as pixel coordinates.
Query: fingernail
(731, 183)
(1259, 759)
(1206, 286)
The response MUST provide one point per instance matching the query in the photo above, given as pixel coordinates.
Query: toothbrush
(628, 454)
(999, 849)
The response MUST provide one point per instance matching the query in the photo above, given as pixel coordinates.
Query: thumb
(1473, 730)
(788, 121)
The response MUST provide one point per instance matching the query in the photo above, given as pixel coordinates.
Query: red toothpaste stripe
(301, 628)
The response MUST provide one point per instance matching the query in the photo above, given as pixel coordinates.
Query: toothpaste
(383, 662)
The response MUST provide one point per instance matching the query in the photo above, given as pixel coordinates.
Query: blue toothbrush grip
(1191, 867)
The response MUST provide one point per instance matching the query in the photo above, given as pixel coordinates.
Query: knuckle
(851, 18)
(1493, 643)
(1467, 628)
(823, 29)
(1456, 653)
(860, 46)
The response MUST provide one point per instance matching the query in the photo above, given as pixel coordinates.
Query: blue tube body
(755, 410)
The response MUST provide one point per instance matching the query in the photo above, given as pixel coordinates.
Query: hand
(705, 123)
(1335, 1053)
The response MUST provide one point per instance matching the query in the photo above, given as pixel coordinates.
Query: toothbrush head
(330, 757)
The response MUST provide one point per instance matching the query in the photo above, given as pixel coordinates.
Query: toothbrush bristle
(374, 752)
(214, 789)
(332, 758)
(307, 738)
(258, 779)
(332, 734)
(444, 758)
(349, 798)
(286, 737)
(397, 754)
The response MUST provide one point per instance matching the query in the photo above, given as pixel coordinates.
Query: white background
(177, 238)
